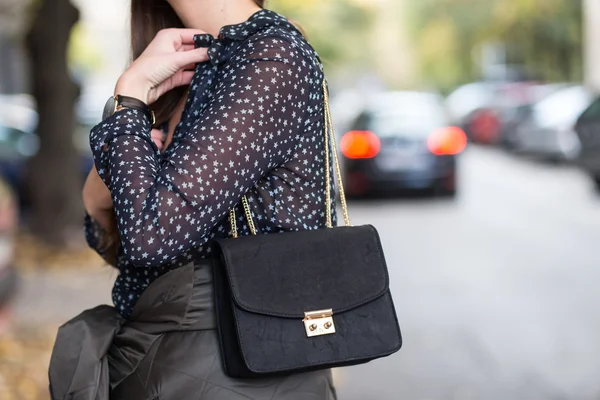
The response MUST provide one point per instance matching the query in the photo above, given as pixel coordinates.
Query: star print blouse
(252, 125)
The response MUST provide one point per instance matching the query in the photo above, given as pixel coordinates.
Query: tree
(357, 38)
(54, 179)
(544, 36)
(338, 29)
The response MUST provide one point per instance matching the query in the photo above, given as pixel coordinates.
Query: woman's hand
(167, 62)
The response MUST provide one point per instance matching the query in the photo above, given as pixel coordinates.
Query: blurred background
(469, 135)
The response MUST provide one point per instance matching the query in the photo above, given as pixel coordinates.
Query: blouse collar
(257, 22)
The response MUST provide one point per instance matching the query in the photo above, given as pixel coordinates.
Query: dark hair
(148, 17)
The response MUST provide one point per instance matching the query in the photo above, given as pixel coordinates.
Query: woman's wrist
(128, 85)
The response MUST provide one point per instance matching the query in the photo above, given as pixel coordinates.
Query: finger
(187, 35)
(158, 144)
(158, 137)
(194, 56)
(189, 67)
(180, 78)
(186, 47)
(157, 134)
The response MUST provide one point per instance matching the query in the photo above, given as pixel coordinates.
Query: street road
(497, 293)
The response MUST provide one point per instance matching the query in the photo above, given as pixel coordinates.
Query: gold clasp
(318, 323)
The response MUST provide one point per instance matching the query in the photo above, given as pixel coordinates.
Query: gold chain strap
(234, 232)
(329, 133)
(248, 215)
(326, 123)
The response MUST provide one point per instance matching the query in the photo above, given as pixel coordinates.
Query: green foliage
(545, 36)
(338, 29)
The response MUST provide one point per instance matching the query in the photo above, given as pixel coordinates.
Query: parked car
(401, 140)
(16, 146)
(18, 110)
(548, 132)
(588, 132)
(471, 108)
(515, 104)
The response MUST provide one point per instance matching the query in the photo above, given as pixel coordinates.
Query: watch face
(109, 108)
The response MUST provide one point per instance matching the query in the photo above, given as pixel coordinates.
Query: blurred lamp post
(12, 58)
(395, 61)
(493, 61)
(591, 18)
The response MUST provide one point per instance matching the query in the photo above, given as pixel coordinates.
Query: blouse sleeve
(251, 124)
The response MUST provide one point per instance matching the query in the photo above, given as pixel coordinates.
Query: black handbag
(299, 301)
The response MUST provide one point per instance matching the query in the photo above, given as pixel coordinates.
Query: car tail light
(485, 126)
(360, 144)
(447, 141)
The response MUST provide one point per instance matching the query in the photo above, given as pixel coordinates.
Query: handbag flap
(287, 274)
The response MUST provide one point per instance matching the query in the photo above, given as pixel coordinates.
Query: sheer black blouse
(252, 124)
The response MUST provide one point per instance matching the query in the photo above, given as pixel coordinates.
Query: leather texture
(136, 104)
(168, 350)
(264, 284)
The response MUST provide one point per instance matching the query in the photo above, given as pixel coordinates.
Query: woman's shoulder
(279, 43)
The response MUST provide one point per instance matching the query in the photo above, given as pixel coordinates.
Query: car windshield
(414, 115)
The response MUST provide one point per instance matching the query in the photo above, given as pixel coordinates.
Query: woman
(238, 115)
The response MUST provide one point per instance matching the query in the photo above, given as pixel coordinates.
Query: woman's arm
(97, 200)
(96, 196)
(100, 226)
(251, 125)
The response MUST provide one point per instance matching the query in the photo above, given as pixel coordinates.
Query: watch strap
(136, 104)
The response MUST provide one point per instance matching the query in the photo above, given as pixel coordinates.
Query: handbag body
(299, 301)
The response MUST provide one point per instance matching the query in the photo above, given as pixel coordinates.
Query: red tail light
(360, 144)
(447, 141)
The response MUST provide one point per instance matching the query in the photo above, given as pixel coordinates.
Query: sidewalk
(45, 299)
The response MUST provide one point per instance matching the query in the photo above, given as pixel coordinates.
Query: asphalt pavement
(496, 291)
